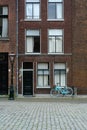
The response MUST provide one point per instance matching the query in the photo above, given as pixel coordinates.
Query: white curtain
(36, 11)
(51, 44)
(56, 79)
(40, 81)
(30, 44)
(63, 78)
(29, 10)
(5, 23)
(59, 11)
(59, 45)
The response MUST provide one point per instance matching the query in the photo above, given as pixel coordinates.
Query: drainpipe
(17, 45)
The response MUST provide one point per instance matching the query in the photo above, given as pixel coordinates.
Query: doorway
(3, 73)
(27, 78)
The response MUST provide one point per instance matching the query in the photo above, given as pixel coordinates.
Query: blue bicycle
(61, 91)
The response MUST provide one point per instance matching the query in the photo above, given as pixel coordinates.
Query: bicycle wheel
(53, 92)
(69, 91)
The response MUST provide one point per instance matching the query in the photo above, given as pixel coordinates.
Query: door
(3, 73)
(27, 83)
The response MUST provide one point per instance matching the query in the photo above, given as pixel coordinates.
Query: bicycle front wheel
(70, 91)
(53, 92)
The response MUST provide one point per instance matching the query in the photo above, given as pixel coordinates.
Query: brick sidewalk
(25, 115)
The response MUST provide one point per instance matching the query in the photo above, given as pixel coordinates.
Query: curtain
(52, 44)
(36, 11)
(59, 11)
(30, 44)
(59, 44)
(5, 23)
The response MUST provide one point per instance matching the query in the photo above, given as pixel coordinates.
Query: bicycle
(59, 90)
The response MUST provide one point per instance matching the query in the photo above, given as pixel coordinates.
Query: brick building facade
(45, 45)
(7, 42)
(49, 40)
(79, 45)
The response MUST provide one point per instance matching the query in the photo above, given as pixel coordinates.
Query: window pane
(59, 44)
(40, 81)
(36, 44)
(30, 44)
(3, 21)
(46, 81)
(55, 32)
(32, 33)
(63, 78)
(5, 11)
(29, 10)
(51, 11)
(59, 66)
(42, 66)
(51, 44)
(36, 11)
(56, 79)
(59, 11)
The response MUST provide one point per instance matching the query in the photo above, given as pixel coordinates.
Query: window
(32, 41)
(3, 21)
(60, 74)
(55, 9)
(55, 40)
(32, 9)
(43, 75)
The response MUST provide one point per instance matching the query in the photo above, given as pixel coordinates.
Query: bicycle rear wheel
(53, 92)
(70, 91)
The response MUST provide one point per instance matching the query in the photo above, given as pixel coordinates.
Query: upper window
(55, 9)
(32, 9)
(32, 41)
(55, 40)
(3, 21)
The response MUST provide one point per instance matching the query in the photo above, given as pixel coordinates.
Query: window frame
(55, 19)
(4, 17)
(32, 15)
(43, 74)
(62, 36)
(60, 70)
(33, 53)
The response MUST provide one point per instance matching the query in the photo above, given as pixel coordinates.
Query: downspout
(17, 46)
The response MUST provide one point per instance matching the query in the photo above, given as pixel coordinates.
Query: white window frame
(60, 68)
(43, 74)
(56, 2)
(56, 34)
(31, 33)
(32, 2)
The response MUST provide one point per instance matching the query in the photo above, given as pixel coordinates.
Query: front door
(27, 83)
(3, 73)
(27, 78)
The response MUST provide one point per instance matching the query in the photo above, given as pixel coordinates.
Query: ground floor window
(60, 74)
(42, 75)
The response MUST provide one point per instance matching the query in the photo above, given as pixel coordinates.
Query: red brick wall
(79, 42)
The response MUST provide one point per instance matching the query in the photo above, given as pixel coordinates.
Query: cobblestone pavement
(26, 115)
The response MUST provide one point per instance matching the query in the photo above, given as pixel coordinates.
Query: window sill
(60, 20)
(32, 53)
(4, 39)
(32, 20)
(43, 87)
(56, 53)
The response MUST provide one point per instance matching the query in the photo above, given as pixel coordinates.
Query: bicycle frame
(62, 90)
